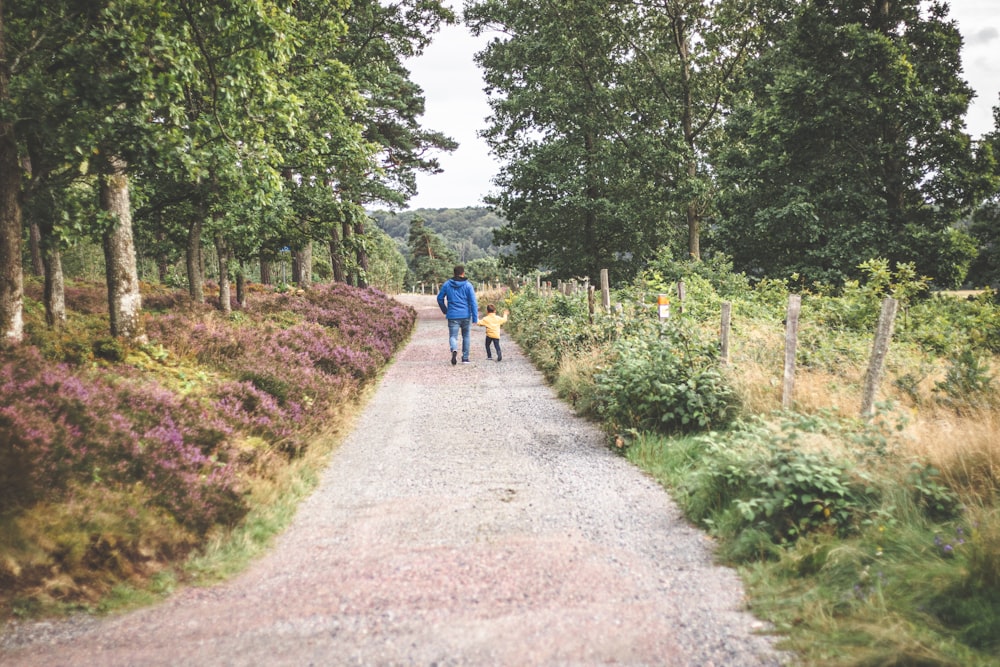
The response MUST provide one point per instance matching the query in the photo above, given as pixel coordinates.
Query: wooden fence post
(727, 313)
(876, 364)
(791, 340)
(590, 303)
(605, 291)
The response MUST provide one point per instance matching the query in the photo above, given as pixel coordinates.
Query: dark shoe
(466, 361)
(499, 358)
(454, 357)
(488, 356)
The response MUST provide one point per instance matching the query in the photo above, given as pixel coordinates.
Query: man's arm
(441, 300)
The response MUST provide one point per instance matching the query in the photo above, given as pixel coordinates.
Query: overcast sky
(456, 104)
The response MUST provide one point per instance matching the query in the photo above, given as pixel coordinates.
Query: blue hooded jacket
(457, 300)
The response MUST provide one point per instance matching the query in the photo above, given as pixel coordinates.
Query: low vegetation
(121, 462)
(865, 541)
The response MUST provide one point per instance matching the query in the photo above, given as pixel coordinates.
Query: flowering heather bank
(176, 420)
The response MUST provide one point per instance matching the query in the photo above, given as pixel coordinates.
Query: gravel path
(470, 519)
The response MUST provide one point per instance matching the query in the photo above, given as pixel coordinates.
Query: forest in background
(467, 231)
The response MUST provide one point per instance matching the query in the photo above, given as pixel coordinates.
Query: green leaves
(664, 379)
(847, 144)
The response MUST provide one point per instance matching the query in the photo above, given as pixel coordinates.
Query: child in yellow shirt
(493, 322)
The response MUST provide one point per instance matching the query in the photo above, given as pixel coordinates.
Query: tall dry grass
(962, 442)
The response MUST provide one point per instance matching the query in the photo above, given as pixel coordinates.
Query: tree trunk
(336, 256)
(196, 278)
(225, 296)
(162, 264)
(348, 233)
(124, 298)
(11, 276)
(362, 254)
(690, 136)
(265, 272)
(35, 246)
(241, 288)
(55, 287)
(303, 258)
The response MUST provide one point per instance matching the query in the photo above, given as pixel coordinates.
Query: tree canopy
(800, 138)
(252, 126)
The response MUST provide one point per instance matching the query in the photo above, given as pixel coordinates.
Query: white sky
(456, 103)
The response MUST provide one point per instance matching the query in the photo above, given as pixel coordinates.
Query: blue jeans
(453, 329)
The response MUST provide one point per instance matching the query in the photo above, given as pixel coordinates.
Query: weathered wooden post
(876, 364)
(727, 313)
(590, 303)
(791, 339)
(605, 291)
(680, 297)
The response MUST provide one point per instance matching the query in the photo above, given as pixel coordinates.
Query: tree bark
(225, 294)
(196, 277)
(124, 298)
(35, 247)
(241, 288)
(690, 136)
(362, 254)
(336, 256)
(303, 258)
(55, 287)
(348, 232)
(265, 272)
(11, 276)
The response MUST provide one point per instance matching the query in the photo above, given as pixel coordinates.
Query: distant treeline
(468, 231)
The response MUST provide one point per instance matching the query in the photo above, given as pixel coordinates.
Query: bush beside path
(470, 518)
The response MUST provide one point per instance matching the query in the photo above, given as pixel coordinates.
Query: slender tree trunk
(348, 233)
(55, 287)
(303, 257)
(124, 298)
(296, 267)
(162, 264)
(265, 272)
(196, 277)
(687, 123)
(225, 295)
(34, 229)
(336, 256)
(35, 247)
(362, 254)
(11, 275)
(241, 288)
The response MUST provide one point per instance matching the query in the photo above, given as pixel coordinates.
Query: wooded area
(258, 128)
(800, 138)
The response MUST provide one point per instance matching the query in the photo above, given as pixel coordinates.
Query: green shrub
(797, 492)
(664, 379)
(967, 383)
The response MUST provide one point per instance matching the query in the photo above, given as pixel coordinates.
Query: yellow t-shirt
(492, 322)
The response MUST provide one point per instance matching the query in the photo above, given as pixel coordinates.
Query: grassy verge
(864, 541)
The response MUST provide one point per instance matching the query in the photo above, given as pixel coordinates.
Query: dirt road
(470, 519)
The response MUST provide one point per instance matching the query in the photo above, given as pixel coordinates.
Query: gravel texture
(469, 519)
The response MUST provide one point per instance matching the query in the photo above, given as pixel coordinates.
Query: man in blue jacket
(457, 300)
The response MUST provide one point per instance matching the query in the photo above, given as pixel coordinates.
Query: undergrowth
(865, 541)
